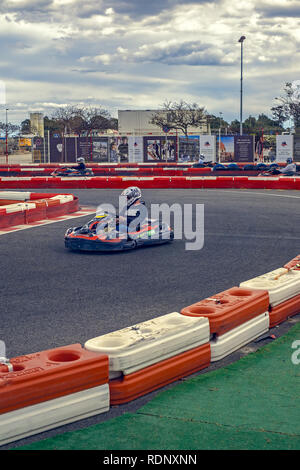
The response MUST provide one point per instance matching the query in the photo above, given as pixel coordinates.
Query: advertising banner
(159, 148)
(189, 148)
(62, 150)
(208, 147)
(244, 148)
(284, 147)
(135, 149)
(296, 147)
(118, 149)
(99, 149)
(225, 148)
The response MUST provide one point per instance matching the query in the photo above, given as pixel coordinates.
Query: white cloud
(136, 53)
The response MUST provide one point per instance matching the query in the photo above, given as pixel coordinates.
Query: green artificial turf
(250, 404)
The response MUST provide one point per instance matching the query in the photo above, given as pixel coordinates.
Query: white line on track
(242, 191)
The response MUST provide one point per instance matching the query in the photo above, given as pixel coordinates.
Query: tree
(216, 122)
(180, 116)
(288, 107)
(25, 127)
(80, 120)
(10, 128)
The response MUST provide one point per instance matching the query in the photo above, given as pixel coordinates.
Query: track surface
(51, 297)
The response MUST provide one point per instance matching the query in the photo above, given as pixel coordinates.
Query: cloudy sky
(135, 54)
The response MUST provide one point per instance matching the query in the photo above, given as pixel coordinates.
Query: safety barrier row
(156, 164)
(175, 182)
(117, 171)
(21, 208)
(50, 388)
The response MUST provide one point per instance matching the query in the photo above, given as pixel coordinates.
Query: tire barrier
(280, 283)
(236, 338)
(229, 309)
(139, 346)
(33, 207)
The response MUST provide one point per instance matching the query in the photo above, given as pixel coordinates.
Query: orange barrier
(293, 264)
(286, 309)
(50, 374)
(230, 308)
(6, 202)
(131, 386)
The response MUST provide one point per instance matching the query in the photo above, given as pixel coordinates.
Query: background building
(137, 122)
(37, 124)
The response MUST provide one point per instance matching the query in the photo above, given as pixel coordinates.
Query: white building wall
(137, 122)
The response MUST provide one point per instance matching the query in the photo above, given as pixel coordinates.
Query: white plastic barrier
(233, 340)
(18, 207)
(63, 198)
(136, 347)
(15, 195)
(37, 418)
(280, 284)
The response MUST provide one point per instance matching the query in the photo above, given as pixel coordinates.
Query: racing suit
(133, 213)
(289, 169)
(80, 167)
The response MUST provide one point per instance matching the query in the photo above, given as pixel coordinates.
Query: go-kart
(272, 173)
(105, 233)
(66, 171)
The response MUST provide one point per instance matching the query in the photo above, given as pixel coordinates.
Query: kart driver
(134, 209)
(290, 168)
(81, 166)
(201, 159)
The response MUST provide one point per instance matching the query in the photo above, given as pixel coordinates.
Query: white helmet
(133, 194)
(80, 159)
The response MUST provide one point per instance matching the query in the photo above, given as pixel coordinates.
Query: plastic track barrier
(293, 264)
(50, 374)
(129, 387)
(144, 344)
(280, 283)
(33, 207)
(230, 308)
(148, 182)
(284, 310)
(53, 413)
(224, 345)
(136, 347)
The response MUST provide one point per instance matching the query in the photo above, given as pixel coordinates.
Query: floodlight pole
(241, 40)
(6, 132)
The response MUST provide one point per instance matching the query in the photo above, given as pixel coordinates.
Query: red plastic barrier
(50, 374)
(120, 182)
(230, 308)
(11, 219)
(284, 310)
(293, 264)
(55, 208)
(38, 213)
(129, 387)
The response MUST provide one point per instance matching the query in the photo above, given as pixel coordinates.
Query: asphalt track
(51, 297)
